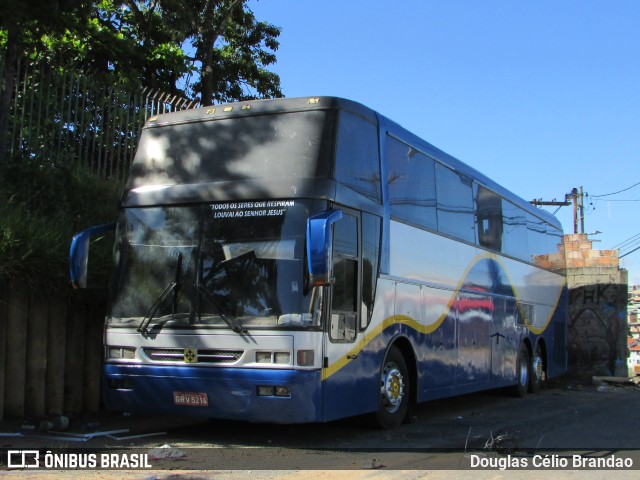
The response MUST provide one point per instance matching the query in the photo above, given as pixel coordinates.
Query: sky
(541, 96)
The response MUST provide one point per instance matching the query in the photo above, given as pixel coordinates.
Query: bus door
(343, 319)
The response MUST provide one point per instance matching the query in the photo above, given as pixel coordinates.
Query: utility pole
(577, 198)
(581, 210)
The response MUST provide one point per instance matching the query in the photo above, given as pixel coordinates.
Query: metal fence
(50, 344)
(67, 116)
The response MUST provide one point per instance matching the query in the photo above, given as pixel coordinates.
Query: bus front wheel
(394, 390)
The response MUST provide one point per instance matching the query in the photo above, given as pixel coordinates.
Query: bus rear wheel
(394, 390)
(537, 370)
(523, 372)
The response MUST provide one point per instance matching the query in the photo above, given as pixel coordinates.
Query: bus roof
(258, 107)
(282, 105)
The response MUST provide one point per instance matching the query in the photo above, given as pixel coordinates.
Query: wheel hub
(538, 368)
(392, 388)
(524, 372)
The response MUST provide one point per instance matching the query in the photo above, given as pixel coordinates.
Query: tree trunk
(205, 51)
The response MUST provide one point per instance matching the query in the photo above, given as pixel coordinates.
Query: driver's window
(344, 311)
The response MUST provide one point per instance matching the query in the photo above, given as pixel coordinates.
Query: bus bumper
(225, 393)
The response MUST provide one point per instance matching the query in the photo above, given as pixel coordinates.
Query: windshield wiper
(234, 324)
(154, 308)
(201, 282)
(171, 287)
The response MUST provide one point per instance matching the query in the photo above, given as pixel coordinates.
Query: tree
(232, 50)
(21, 24)
(211, 50)
(214, 50)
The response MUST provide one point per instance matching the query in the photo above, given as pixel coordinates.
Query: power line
(624, 255)
(628, 240)
(630, 247)
(619, 200)
(615, 193)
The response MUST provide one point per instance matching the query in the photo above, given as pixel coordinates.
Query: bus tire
(537, 370)
(523, 372)
(394, 391)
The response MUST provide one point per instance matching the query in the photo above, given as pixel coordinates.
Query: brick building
(597, 324)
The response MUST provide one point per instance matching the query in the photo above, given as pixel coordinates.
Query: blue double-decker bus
(304, 260)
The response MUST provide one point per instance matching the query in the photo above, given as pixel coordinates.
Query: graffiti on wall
(597, 333)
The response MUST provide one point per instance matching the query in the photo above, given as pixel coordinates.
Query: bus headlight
(265, 391)
(263, 357)
(121, 353)
(282, 391)
(269, 391)
(279, 358)
(282, 358)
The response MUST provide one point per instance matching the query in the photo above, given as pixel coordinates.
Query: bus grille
(204, 356)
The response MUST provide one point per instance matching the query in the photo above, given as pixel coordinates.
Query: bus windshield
(216, 264)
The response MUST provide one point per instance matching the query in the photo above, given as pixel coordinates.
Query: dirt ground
(445, 438)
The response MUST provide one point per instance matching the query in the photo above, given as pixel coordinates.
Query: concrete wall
(597, 329)
(597, 324)
(50, 352)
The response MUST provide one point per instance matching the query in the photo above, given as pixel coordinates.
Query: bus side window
(370, 263)
(454, 196)
(489, 221)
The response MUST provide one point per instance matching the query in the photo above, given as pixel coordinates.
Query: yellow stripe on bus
(370, 335)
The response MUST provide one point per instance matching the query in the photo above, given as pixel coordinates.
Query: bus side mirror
(79, 253)
(319, 247)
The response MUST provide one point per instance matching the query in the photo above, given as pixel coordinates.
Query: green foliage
(232, 50)
(41, 206)
(214, 50)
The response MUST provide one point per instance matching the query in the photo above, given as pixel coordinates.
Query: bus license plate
(190, 399)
